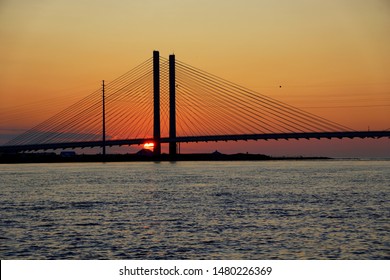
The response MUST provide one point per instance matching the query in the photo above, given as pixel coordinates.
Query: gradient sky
(332, 58)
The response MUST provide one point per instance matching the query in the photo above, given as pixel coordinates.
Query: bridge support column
(172, 105)
(156, 102)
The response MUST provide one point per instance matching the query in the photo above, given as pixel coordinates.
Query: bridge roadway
(187, 139)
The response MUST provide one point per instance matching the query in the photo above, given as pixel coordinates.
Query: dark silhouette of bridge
(168, 101)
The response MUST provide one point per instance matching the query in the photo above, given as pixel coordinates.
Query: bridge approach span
(188, 139)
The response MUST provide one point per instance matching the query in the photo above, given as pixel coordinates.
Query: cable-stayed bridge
(168, 101)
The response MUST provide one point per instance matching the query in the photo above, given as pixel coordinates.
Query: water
(196, 210)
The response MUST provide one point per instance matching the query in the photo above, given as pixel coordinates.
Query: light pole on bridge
(104, 121)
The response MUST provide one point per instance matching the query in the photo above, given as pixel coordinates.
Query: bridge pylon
(156, 103)
(172, 105)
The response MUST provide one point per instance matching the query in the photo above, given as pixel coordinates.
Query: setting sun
(149, 146)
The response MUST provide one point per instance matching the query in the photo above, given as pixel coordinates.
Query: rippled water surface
(196, 210)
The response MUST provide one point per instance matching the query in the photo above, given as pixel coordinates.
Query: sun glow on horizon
(149, 146)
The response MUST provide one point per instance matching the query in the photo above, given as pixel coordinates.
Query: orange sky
(332, 58)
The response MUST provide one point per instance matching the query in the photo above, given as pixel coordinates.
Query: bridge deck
(187, 139)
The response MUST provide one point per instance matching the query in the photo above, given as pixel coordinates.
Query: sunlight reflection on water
(196, 210)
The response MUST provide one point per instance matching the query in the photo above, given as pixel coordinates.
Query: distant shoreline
(54, 158)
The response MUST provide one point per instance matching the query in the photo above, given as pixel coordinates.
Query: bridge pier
(156, 102)
(172, 106)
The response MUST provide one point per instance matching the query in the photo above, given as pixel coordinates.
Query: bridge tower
(172, 105)
(156, 102)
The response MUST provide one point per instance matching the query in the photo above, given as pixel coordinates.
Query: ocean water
(332, 209)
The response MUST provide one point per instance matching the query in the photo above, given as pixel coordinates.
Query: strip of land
(54, 158)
